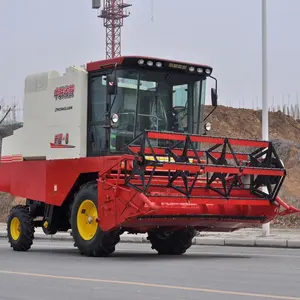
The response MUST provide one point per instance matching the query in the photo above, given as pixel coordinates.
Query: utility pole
(265, 110)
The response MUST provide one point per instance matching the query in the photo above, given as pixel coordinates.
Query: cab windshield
(155, 100)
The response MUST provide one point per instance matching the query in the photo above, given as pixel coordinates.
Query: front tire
(87, 234)
(20, 228)
(171, 243)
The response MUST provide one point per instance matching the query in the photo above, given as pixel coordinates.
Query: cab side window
(96, 140)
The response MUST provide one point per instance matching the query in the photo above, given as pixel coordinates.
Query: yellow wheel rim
(15, 228)
(87, 216)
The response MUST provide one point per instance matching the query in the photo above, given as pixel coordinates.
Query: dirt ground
(245, 123)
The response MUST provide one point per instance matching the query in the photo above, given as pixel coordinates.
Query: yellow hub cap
(87, 220)
(15, 228)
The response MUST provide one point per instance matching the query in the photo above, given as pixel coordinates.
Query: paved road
(56, 271)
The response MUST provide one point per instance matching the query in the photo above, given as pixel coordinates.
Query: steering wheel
(177, 110)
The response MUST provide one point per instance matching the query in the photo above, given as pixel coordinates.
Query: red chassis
(165, 185)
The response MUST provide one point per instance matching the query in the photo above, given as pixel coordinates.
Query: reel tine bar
(177, 156)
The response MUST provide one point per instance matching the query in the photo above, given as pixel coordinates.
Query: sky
(40, 35)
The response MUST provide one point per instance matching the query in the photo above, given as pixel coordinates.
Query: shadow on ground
(124, 255)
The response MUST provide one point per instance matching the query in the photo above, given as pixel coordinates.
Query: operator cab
(128, 95)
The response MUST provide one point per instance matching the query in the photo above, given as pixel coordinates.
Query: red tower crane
(113, 14)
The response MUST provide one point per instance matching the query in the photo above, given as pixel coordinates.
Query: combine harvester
(121, 146)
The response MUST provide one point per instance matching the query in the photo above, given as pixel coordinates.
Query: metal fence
(292, 110)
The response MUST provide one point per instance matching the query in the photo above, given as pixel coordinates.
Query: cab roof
(148, 62)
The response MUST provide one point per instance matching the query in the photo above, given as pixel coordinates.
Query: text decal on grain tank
(61, 141)
(64, 92)
(63, 108)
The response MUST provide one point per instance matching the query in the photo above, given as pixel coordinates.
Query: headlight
(115, 118)
(141, 61)
(207, 126)
(150, 63)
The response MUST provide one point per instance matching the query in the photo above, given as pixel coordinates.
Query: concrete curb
(249, 242)
(41, 236)
(201, 241)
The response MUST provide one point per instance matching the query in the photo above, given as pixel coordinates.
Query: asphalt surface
(55, 270)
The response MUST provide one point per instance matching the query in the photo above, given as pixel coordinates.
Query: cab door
(97, 139)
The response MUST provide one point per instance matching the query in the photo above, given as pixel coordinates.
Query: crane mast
(113, 13)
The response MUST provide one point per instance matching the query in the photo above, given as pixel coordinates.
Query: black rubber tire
(176, 243)
(26, 238)
(51, 231)
(103, 243)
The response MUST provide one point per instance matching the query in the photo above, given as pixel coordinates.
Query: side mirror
(112, 84)
(214, 97)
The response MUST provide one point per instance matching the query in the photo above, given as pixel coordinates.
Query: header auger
(119, 146)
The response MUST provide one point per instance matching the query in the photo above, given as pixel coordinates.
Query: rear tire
(171, 243)
(20, 228)
(87, 234)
